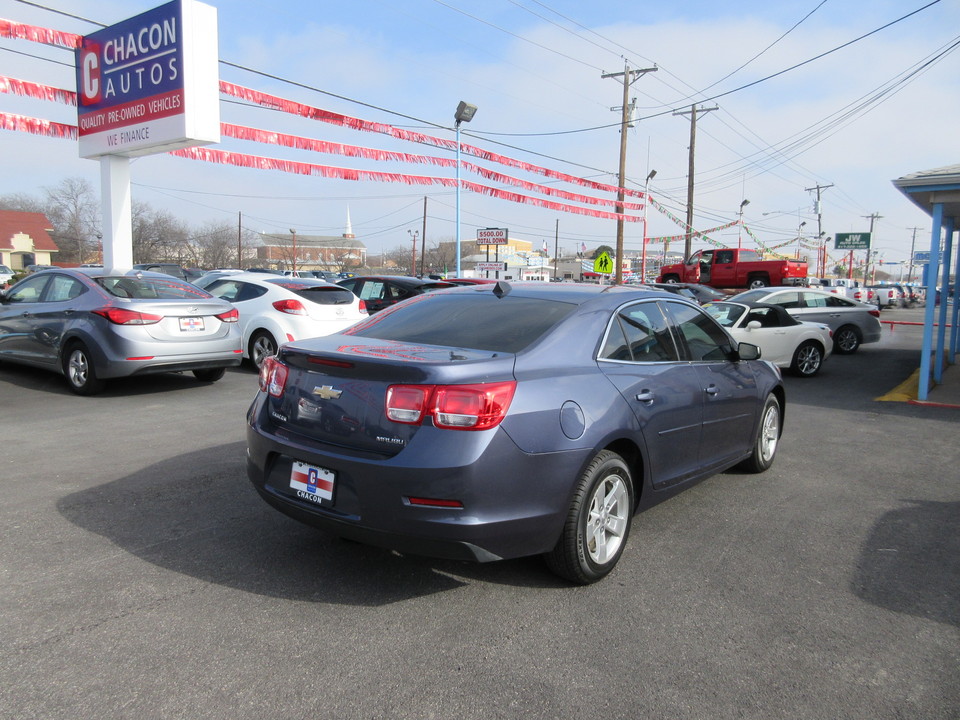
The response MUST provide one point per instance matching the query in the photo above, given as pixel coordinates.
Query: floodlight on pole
(646, 201)
(743, 204)
(465, 112)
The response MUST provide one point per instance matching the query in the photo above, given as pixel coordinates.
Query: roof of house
(320, 241)
(931, 187)
(36, 225)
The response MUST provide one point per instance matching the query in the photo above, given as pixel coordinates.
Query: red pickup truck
(734, 268)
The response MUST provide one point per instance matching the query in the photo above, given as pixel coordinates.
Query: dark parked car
(497, 422)
(91, 325)
(380, 291)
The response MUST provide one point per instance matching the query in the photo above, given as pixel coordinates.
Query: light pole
(413, 256)
(646, 201)
(800, 237)
(465, 113)
(740, 228)
(294, 234)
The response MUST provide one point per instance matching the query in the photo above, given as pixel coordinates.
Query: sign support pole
(117, 218)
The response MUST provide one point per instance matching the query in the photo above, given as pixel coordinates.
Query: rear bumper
(514, 503)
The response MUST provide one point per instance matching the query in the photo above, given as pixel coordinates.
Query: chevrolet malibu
(501, 421)
(91, 324)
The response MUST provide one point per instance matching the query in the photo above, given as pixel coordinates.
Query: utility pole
(913, 244)
(629, 76)
(692, 112)
(822, 259)
(556, 249)
(866, 266)
(239, 243)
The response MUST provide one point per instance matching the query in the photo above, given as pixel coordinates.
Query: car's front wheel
(846, 340)
(262, 346)
(768, 437)
(807, 359)
(79, 371)
(598, 522)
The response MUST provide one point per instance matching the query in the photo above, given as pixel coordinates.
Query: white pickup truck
(846, 287)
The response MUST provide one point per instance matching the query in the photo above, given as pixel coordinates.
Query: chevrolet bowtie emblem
(327, 392)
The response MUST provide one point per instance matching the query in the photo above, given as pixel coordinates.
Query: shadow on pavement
(200, 517)
(910, 562)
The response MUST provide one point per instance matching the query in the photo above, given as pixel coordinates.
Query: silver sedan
(853, 323)
(91, 324)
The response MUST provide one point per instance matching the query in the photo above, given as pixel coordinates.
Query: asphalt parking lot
(142, 577)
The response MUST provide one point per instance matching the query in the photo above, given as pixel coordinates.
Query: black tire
(598, 522)
(757, 281)
(846, 340)
(209, 375)
(768, 437)
(262, 346)
(79, 371)
(672, 279)
(807, 359)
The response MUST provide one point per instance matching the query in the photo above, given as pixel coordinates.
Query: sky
(801, 102)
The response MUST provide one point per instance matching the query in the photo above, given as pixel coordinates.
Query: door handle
(646, 396)
(712, 390)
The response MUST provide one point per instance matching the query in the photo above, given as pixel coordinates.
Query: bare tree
(73, 209)
(214, 245)
(158, 236)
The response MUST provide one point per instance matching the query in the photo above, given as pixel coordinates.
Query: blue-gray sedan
(508, 420)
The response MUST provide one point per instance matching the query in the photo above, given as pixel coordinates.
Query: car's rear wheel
(846, 340)
(598, 522)
(79, 371)
(807, 359)
(672, 279)
(209, 375)
(262, 346)
(758, 281)
(768, 437)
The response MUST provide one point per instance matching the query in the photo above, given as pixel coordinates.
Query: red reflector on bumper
(435, 502)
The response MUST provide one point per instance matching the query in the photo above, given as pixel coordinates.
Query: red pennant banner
(36, 90)
(35, 126)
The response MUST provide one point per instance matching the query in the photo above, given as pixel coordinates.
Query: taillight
(122, 316)
(875, 313)
(363, 307)
(455, 407)
(231, 315)
(290, 306)
(273, 376)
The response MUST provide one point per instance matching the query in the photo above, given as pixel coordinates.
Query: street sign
(851, 241)
(603, 264)
(491, 267)
(922, 257)
(492, 236)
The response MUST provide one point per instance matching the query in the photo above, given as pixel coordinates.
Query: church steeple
(348, 232)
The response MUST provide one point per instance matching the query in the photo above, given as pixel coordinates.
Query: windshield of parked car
(150, 288)
(725, 313)
(474, 320)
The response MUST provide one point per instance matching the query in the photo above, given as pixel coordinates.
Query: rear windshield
(150, 288)
(476, 321)
(319, 294)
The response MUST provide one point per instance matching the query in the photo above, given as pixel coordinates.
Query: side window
(787, 300)
(645, 335)
(29, 290)
(225, 290)
(249, 291)
(834, 301)
(372, 290)
(704, 339)
(63, 288)
(814, 301)
(724, 257)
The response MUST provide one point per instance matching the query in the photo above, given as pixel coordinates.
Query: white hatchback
(275, 309)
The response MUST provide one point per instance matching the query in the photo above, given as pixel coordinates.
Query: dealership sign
(492, 236)
(851, 241)
(151, 83)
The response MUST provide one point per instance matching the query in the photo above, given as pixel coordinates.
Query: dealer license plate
(311, 483)
(191, 324)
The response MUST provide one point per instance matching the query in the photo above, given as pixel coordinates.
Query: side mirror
(748, 351)
(754, 324)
